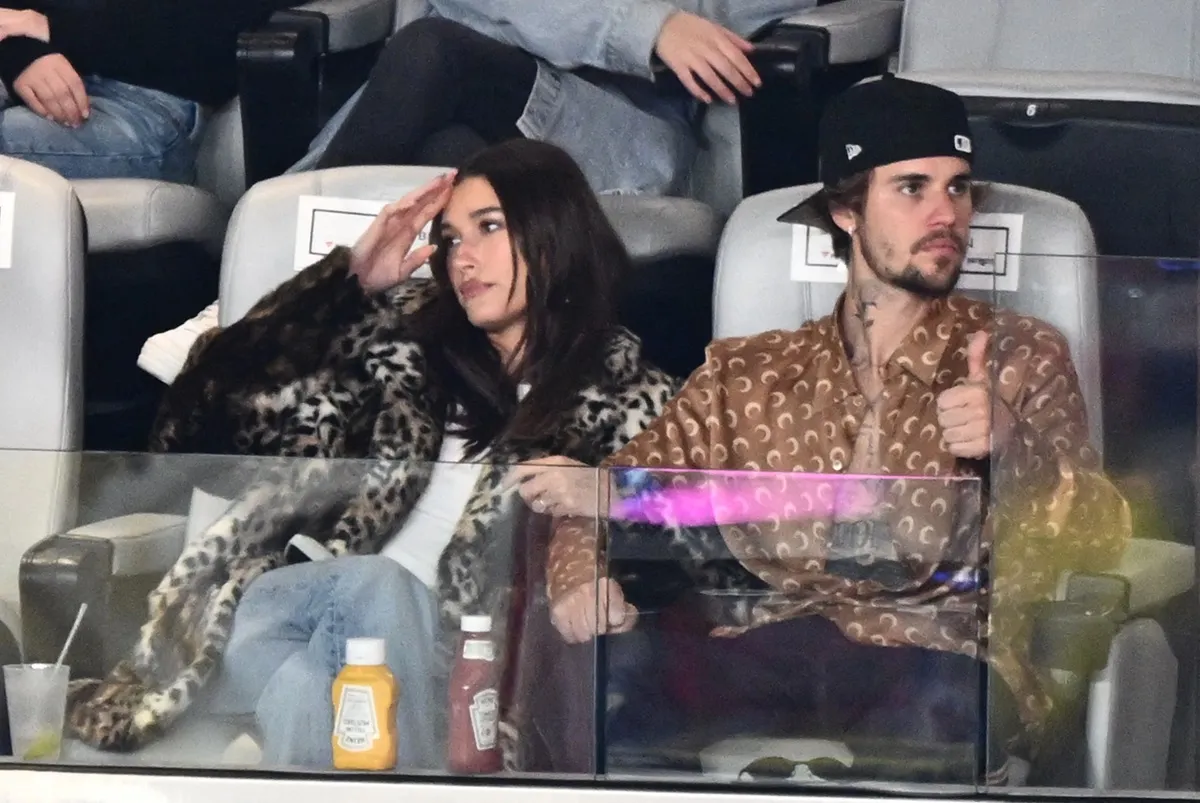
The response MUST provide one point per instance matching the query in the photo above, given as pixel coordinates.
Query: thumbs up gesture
(965, 411)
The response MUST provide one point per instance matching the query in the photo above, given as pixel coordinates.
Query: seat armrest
(299, 68)
(841, 33)
(347, 24)
(111, 565)
(1157, 572)
(131, 213)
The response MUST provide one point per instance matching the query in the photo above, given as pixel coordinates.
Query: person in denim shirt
(577, 73)
(118, 88)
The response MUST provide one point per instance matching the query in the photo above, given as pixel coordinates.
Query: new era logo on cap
(962, 144)
(853, 150)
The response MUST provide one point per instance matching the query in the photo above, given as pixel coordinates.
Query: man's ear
(844, 219)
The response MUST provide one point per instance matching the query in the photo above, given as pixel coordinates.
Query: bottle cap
(477, 624)
(365, 652)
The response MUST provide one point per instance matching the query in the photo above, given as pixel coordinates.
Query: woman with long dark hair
(520, 356)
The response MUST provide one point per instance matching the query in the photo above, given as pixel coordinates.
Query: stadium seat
(1132, 698)
(1097, 101)
(113, 563)
(154, 247)
(770, 141)
(41, 410)
(1094, 100)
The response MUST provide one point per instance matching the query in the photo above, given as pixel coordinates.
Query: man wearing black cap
(876, 622)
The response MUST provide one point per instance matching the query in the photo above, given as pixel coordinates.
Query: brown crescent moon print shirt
(785, 401)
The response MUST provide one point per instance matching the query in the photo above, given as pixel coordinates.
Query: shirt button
(837, 465)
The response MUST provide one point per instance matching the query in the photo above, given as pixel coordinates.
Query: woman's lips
(469, 289)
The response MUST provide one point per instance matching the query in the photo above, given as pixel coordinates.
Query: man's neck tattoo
(861, 346)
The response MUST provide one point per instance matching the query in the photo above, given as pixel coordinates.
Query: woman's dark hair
(575, 259)
(851, 193)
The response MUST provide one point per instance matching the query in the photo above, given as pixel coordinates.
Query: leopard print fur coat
(317, 370)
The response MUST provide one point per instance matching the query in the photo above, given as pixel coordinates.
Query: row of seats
(1092, 96)
(111, 563)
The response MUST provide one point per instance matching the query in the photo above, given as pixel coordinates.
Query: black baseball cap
(881, 122)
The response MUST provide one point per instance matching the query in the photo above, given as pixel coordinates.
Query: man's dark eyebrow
(922, 178)
(911, 178)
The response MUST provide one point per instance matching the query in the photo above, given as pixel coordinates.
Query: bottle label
(485, 716)
(356, 726)
(479, 650)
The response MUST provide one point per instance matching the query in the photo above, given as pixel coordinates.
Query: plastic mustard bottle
(474, 701)
(364, 709)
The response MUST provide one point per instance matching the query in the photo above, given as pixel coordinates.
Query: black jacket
(187, 48)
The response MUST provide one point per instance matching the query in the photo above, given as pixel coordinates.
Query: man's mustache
(937, 236)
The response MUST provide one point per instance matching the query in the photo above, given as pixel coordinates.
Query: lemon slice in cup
(45, 745)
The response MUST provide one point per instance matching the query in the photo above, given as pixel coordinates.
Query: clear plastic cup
(37, 703)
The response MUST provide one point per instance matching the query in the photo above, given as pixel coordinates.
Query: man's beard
(910, 278)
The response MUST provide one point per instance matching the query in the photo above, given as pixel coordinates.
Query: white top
(419, 543)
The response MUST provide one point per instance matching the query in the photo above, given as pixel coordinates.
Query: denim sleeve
(613, 35)
(744, 17)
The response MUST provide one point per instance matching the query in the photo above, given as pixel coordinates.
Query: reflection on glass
(222, 608)
(855, 660)
(1113, 651)
(784, 628)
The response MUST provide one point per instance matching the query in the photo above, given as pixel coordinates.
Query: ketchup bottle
(474, 701)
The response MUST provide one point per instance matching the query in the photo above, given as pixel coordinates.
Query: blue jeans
(132, 132)
(289, 642)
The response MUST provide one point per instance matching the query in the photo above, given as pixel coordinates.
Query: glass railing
(784, 631)
(1023, 623)
(1107, 525)
(216, 658)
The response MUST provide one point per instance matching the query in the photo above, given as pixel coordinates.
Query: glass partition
(221, 593)
(796, 629)
(1092, 474)
(1024, 624)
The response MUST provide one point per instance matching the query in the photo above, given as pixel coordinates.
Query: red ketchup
(474, 701)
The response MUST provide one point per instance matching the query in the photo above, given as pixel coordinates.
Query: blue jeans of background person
(132, 132)
(289, 643)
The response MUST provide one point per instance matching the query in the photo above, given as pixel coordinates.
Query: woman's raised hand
(384, 257)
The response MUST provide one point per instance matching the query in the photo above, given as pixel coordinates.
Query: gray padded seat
(1078, 97)
(1132, 701)
(128, 214)
(41, 409)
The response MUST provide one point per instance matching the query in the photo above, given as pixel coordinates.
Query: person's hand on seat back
(707, 57)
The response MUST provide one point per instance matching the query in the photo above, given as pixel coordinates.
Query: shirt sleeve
(679, 438)
(16, 54)
(618, 36)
